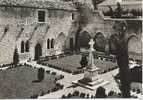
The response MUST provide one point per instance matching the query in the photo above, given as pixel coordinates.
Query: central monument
(91, 79)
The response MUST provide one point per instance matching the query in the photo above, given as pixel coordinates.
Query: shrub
(87, 96)
(84, 61)
(69, 95)
(119, 95)
(48, 71)
(100, 92)
(15, 57)
(41, 74)
(92, 96)
(134, 90)
(82, 95)
(76, 93)
(111, 93)
(34, 96)
(61, 76)
(63, 96)
(42, 93)
(53, 73)
(138, 91)
(48, 91)
(62, 86)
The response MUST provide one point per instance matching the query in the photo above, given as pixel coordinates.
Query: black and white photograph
(71, 49)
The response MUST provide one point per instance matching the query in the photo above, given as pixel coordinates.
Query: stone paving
(69, 78)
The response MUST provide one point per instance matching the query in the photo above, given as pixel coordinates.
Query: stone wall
(21, 24)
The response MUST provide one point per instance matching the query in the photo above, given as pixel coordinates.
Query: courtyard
(52, 49)
(21, 82)
(71, 64)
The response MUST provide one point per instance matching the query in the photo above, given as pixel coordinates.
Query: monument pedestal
(91, 80)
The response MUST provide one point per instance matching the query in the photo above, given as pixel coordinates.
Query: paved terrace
(67, 82)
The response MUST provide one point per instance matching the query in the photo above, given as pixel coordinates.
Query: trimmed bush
(92, 96)
(138, 91)
(133, 90)
(48, 71)
(63, 96)
(87, 96)
(69, 95)
(42, 93)
(41, 73)
(100, 92)
(34, 96)
(53, 73)
(82, 95)
(76, 93)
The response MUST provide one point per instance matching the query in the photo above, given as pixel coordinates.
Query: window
(41, 16)
(22, 47)
(48, 44)
(72, 16)
(27, 46)
(52, 43)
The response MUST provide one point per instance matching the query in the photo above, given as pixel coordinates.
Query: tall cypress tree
(15, 57)
(122, 61)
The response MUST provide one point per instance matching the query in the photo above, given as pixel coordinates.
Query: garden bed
(71, 64)
(20, 83)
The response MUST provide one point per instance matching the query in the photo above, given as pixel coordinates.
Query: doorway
(38, 51)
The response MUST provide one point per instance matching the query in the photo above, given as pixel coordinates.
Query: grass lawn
(18, 83)
(73, 62)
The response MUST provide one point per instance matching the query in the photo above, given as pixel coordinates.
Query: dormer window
(41, 16)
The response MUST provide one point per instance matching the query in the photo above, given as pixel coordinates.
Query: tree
(15, 57)
(111, 12)
(84, 16)
(122, 60)
(100, 92)
(84, 61)
(118, 11)
(94, 2)
(40, 75)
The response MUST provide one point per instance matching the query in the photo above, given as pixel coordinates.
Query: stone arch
(27, 46)
(38, 51)
(134, 44)
(112, 43)
(48, 43)
(84, 39)
(100, 42)
(22, 47)
(60, 40)
(52, 43)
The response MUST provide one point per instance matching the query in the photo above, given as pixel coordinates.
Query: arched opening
(52, 43)
(27, 46)
(84, 39)
(60, 41)
(99, 44)
(48, 44)
(112, 43)
(71, 43)
(38, 51)
(22, 47)
(134, 48)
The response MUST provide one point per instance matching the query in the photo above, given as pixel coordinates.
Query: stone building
(126, 4)
(42, 27)
(33, 26)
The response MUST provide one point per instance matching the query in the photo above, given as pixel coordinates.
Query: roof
(38, 4)
(114, 2)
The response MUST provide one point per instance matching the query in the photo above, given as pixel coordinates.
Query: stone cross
(91, 57)
(91, 43)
